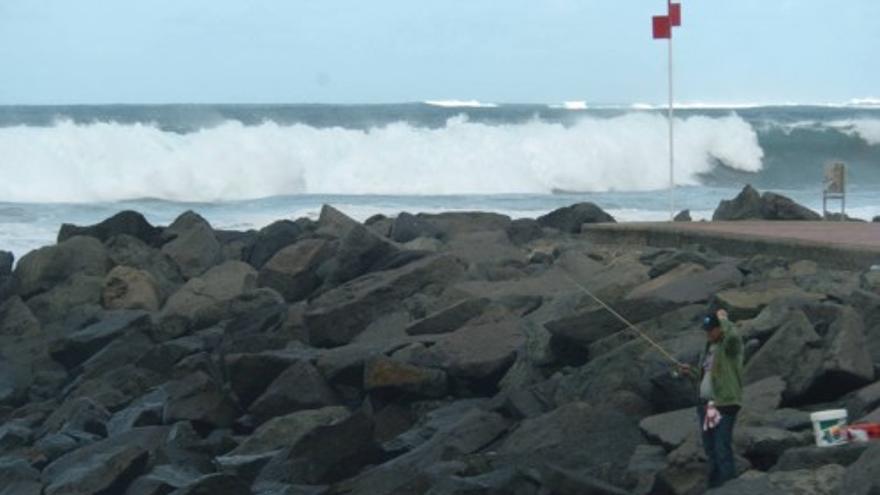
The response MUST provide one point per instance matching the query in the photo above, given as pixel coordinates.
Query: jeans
(718, 443)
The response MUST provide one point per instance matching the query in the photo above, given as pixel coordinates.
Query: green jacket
(727, 370)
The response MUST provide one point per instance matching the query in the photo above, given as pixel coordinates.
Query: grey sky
(347, 51)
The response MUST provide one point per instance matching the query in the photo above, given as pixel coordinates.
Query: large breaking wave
(86, 162)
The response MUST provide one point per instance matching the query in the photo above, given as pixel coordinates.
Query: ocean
(244, 166)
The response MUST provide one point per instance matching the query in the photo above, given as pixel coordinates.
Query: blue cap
(710, 322)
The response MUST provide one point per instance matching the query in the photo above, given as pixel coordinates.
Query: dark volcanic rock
(359, 251)
(250, 374)
(328, 453)
(292, 271)
(813, 457)
(524, 230)
(129, 251)
(271, 239)
(746, 205)
(454, 224)
(407, 227)
(861, 478)
(389, 374)
(125, 222)
(450, 318)
(107, 466)
(215, 484)
(682, 216)
(193, 246)
(570, 218)
(17, 477)
(217, 286)
(6, 260)
(337, 316)
(778, 207)
(129, 288)
(595, 441)
(285, 431)
(44, 268)
(298, 387)
(75, 348)
(197, 397)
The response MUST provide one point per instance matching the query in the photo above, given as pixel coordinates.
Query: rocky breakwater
(444, 354)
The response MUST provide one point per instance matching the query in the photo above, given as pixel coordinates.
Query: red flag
(662, 27)
(675, 14)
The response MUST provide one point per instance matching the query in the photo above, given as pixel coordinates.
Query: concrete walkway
(849, 245)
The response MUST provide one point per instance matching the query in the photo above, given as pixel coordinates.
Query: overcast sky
(350, 51)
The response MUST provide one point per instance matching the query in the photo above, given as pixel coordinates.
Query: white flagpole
(671, 145)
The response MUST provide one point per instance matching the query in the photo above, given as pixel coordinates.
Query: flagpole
(671, 141)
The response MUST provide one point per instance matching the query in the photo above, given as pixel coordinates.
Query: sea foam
(107, 161)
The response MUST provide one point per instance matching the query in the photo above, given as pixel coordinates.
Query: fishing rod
(617, 315)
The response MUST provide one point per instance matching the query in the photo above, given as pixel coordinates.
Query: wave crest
(108, 161)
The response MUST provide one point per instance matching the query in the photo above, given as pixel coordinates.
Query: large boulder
(284, 431)
(44, 268)
(478, 353)
(861, 478)
(337, 316)
(129, 288)
(249, 374)
(778, 207)
(596, 441)
(217, 483)
(689, 284)
(199, 398)
(217, 286)
(390, 374)
(17, 477)
(746, 205)
(793, 353)
(359, 251)
(292, 271)
(455, 223)
(847, 361)
(74, 348)
(449, 318)
(466, 431)
(298, 387)
(670, 429)
(570, 218)
(407, 227)
(130, 251)
(823, 481)
(813, 457)
(7, 281)
(271, 239)
(107, 466)
(747, 302)
(193, 246)
(334, 223)
(125, 222)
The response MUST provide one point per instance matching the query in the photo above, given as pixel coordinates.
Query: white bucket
(829, 427)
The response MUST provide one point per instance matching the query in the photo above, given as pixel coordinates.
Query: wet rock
(524, 230)
(78, 414)
(334, 223)
(388, 374)
(298, 387)
(125, 222)
(292, 271)
(747, 302)
(145, 411)
(14, 436)
(456, 224)
(161, 480)
(271, 239)
(337, 316)
(249, 374)
(193, 246)
(129, 288)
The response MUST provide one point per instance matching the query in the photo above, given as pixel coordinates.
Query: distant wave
(571, 105)
(110, 161)
(866, 129)
(460, 104)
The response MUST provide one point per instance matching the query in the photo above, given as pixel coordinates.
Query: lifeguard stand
(834, 188)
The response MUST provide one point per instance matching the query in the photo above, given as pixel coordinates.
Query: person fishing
(719, 378)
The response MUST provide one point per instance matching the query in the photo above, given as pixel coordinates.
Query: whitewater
(243, 166)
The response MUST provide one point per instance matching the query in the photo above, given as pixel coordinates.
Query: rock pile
(442, 354)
